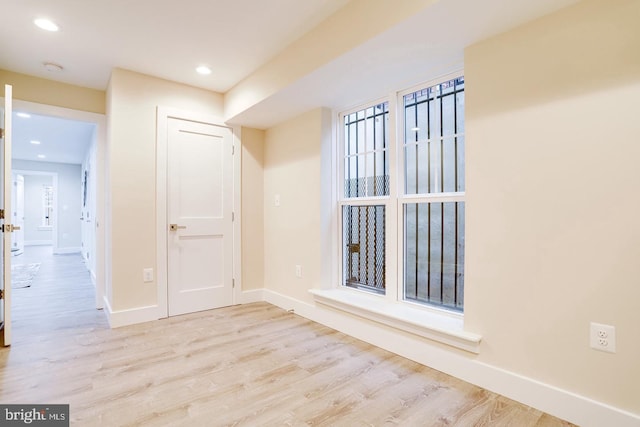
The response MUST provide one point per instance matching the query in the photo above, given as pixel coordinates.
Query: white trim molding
(442, 327)
(128, 317)
(61, 251)
(248, 297)
(555, 401)
(38, 242)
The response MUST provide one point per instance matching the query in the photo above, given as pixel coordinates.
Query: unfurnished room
(320, 213)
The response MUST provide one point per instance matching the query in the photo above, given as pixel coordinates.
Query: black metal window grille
(434, 253)
(366, 175)
(434, 167)
(364, 253)
(366, 167)
(434, 139)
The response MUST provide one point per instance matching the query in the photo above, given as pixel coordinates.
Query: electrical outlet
(147, 275)
(603, 337)
(298, 271)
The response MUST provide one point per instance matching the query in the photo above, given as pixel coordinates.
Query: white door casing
(198, 189)
(5, 196)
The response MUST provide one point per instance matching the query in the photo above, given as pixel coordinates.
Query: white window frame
(429, 321)
(389, 201)
(405, 199)
(43, 225)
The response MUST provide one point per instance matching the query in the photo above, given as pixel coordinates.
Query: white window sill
(447, 328)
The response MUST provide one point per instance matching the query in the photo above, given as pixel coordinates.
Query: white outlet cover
(602, 337)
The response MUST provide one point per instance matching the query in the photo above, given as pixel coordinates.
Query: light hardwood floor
(250, 365)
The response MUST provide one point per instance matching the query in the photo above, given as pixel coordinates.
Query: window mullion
(392, 240)
(400, 190)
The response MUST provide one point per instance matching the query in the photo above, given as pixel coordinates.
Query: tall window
(366, 177)
(433, 206)
(430, 204)
(47, 206)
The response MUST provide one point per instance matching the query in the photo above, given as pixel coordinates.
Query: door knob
(175, 227)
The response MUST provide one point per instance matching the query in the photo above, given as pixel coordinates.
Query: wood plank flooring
(250, 365)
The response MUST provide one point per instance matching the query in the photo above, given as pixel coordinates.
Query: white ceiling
(169, 39)
(162, 38)
(61, 140)
(232, 37)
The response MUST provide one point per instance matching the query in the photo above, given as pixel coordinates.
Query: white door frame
(5, 244)
(101, 131)
(163, 114)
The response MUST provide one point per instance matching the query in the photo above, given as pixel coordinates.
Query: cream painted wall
(42, 91)
(132, 102)
(252, 208)
(292, 232)
(553, 200)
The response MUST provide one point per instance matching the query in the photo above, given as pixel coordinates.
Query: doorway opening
(57, 258)
(33, 209)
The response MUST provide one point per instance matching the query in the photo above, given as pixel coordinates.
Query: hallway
(61, 295)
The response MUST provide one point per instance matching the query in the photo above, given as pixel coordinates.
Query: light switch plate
(147, 275)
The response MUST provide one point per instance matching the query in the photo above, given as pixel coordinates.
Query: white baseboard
(38, 242)
(547, 398)
(62, 251)
(121, 318)
(255, 295)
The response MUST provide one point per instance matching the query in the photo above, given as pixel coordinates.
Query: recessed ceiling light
(52, 68)
(415, 129)
(35, 142)
(23, 115)
(41, 156)
(204, 70)
(46, 24)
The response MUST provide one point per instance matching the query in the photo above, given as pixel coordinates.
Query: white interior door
(5, 200)
(199, 214)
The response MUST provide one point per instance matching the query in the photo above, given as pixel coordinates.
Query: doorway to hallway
(61, 269)
(58, 293)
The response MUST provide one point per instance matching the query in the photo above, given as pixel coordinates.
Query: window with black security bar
(433, 203)
(366, 177)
